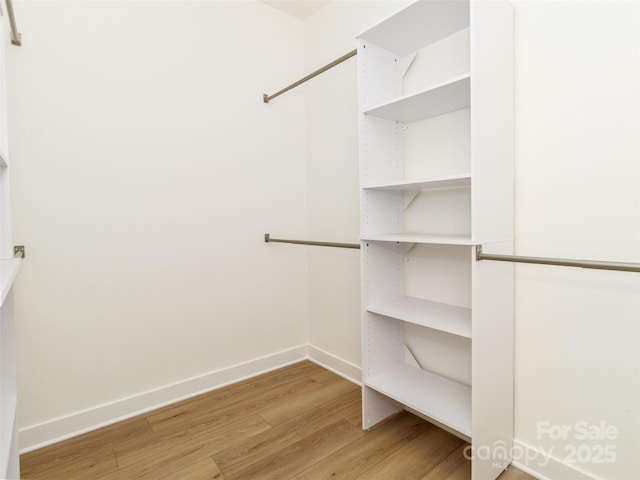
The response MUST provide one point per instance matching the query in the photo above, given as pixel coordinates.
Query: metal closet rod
(268, 239)
(266, 98)
(563, 262)
(16, 38)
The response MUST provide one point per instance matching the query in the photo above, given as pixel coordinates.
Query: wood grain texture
(83, 445)
(192, 438)
(454, 467)
(237, 457)
(306, 403)
(300, 422)
(418, 457)
(203, 470)
(365, 452)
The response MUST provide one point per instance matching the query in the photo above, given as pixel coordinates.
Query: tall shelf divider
(436, 170)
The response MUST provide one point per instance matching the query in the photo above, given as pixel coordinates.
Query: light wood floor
(301, 422)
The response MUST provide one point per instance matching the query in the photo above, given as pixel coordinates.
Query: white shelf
(419, 25)
(461, 180)
(422, 238)
(445, 97)
(439, 316)
(8, 271)
(437, 397)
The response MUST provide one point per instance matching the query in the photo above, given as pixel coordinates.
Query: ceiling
(302, 9)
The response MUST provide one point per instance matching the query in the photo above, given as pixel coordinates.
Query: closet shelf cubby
(445, 401)
(426, 313)
(435, 100)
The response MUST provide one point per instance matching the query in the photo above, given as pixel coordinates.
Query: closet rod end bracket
(16, 39)
(265, 98)
(266, 238)
(478, 253)
(18, 251)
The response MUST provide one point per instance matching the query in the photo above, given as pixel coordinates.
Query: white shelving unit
(9, 459)
(436, 169)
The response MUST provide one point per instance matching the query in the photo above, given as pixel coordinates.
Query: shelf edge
(9, 269)
(409, 96)
(386, 309)
(452, 181)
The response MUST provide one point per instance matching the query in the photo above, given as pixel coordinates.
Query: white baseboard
(541, 465)
(337, 365)
(37, 436)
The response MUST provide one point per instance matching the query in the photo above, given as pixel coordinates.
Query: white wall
(577, 196)
(145, 171)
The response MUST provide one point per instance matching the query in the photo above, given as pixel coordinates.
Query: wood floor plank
(287, 462)
(415, 459)
(314, 433)
(73, 467)
(326, 376)
(227, 396)
(165, 463)
(454, 467)
(87, 444)
(158, 443)
(356, 418)
(205, 469)
(234, 459)
(302, 404)
(362, 454)
(232, 408)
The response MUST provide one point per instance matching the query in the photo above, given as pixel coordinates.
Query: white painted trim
(337, 365)
(62, 428)
(539, 464)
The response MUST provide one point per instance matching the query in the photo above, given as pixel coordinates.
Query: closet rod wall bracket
(18, 251)
(16, 39)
